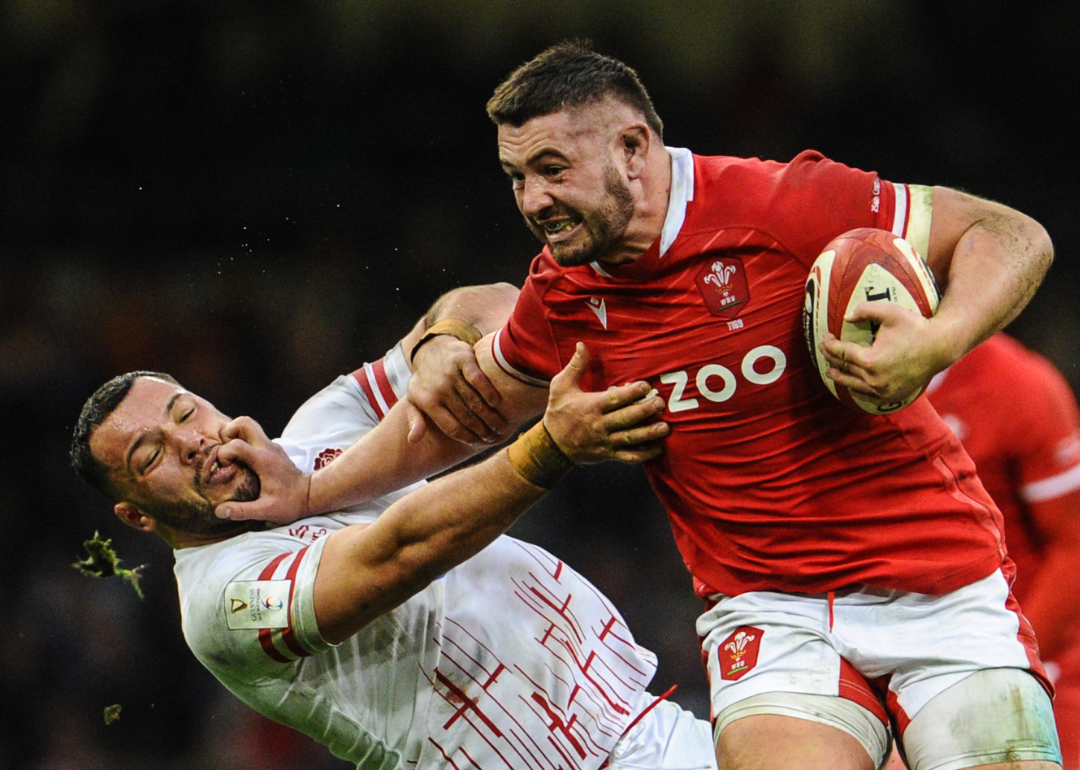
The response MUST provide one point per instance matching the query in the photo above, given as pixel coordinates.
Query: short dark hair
(94, 412)
(567, 75)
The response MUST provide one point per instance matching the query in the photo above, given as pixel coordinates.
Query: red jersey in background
(1018, 419)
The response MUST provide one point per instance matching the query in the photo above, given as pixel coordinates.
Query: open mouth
(212, 468)
(556, 229)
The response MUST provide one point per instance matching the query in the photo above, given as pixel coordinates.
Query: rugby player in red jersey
(1018, 419)
(853, 567)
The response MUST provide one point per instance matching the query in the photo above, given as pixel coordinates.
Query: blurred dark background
(257, 196)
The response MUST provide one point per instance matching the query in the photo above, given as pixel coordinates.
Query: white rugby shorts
(888, 651)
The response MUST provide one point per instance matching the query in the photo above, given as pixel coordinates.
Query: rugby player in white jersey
(401, 629)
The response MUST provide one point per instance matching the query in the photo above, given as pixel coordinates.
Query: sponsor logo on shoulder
(257, 604)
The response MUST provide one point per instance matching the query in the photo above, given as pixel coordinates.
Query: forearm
(454, 517)
(368, 571)
(381, 462)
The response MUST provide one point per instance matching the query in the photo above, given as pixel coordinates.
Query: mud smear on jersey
(102, 561)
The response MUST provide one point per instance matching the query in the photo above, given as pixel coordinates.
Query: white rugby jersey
(510, 660)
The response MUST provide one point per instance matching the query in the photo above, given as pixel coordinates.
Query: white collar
(682, 192)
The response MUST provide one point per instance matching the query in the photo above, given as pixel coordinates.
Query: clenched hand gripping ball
(864, 265)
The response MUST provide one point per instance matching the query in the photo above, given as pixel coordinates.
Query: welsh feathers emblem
(739, 652)
(722, 283)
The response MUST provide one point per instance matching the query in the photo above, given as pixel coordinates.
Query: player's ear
(635, 142)
(133, 517)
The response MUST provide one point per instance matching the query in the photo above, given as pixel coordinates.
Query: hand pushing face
(161, 447)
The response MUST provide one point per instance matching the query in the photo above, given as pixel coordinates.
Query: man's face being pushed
(161, 448)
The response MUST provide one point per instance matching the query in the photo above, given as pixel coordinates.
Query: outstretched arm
(987, 258)
(366, 571)
(339, 484)
(381, 461)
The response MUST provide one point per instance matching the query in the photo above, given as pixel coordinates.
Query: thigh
(1067, 714)
(775, 742)
(996, 716)
(799, 730)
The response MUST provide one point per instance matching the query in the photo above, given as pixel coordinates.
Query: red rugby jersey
(769, 481)
(1018, 419)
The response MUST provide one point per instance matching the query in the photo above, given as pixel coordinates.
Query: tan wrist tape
(455, 327)
(537, 458)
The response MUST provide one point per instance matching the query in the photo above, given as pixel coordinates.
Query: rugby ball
(864, 265)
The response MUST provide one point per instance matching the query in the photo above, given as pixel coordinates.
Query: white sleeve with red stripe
(300, 638)
(385, 381)
(341, 413)
(246, 603)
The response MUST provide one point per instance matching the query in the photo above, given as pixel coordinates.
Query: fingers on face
(233, 428)
(255, 509)
(236, 450)
(245, 429)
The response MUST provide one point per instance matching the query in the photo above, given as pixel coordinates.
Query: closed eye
(151, 458)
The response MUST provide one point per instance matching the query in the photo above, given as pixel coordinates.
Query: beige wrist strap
(455, 327)
(537, 458)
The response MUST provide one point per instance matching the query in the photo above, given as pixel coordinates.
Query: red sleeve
(1048, 445)
(525, 347)
(1048, 477)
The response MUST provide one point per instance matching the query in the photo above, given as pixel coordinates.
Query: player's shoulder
(328, 422)
(756, 192)
(341, 397)
(204, 570)
(718, 169)
(547, 279)
(1008, 362)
